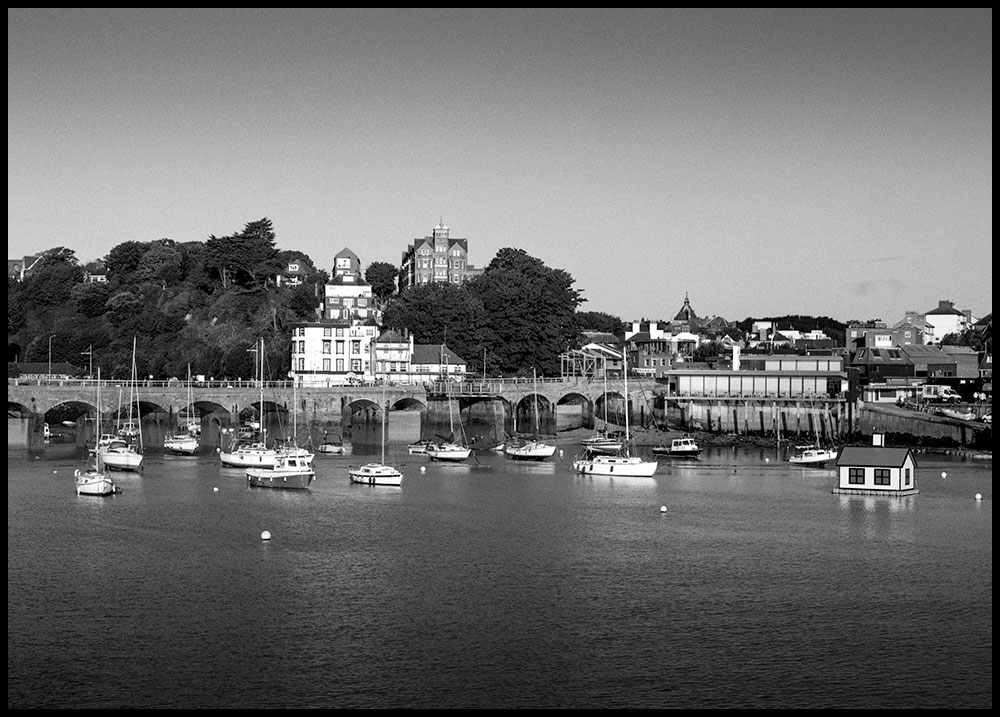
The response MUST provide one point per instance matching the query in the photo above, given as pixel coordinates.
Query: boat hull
(181, 445)
(632, 467)
(448, 452)
(249, 458)
(530, 451)
(122, 461)
(376, 474)
(298, 479)
(92, 483)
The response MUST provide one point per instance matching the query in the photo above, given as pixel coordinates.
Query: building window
(326, 347)
(355, 347)
(340, 365)
(340, 347)
(326, 331)
(326, 365)
(882, 476)
(856, 476)
(340, 331)
(302, 364)
(906, 477)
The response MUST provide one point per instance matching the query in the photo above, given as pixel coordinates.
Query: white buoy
(944, 474)
(560, 453)
(215, 489)
(663, 509)
(979, 496)
(767, 460)
(423, 469)
(266, 535)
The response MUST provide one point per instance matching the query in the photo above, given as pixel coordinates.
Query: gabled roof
(877, 456)
(432, 354)
(391, 336)
(945, 307)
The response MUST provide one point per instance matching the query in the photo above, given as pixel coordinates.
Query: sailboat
(534, 449)
(253, 453)
(291, 447)
(623, 464)
(602, 442)
(449, 450)
(122, 453)
(184, 444)
(93, 480)
(378, 473)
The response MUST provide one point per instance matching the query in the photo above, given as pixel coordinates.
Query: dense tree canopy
(382, 278)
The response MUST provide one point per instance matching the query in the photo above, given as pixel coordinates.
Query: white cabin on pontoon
(876, 470)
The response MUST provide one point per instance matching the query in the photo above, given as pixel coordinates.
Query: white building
(348, 297)
(333, 353)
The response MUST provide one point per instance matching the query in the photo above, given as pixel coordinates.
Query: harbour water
(732, 581)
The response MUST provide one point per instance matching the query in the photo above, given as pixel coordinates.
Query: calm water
(499, 584)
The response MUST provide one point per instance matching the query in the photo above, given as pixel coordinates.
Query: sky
(763, 162)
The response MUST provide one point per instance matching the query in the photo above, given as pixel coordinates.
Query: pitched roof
(432, 354)
(877, 456)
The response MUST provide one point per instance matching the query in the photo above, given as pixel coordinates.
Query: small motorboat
(813, 456)
(679, 448)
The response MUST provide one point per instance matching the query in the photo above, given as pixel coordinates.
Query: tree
(122, 261)
(530, 310)
(600, 321)
(382, 278)
(246, 259)
(438, 313)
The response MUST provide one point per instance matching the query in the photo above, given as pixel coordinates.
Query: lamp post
(89, 352)
(50, 356)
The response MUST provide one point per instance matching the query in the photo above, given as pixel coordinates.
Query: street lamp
(89, 352)
(50, 356)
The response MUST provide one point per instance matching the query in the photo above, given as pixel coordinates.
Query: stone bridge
(502, 405)
(222, 406)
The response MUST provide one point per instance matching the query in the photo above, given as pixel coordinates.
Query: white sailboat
(449, 451)
(253, 453)
(602, 442)
(93, 480)
(186, 443)
(378, 473)
(530, 449)
(121, 453)
(624, 464)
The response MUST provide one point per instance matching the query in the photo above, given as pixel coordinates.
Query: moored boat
(812, 456)
(418, 447)
(377, 473)
(290, 472)
(685, 447)
(447, 451)
(622, 464)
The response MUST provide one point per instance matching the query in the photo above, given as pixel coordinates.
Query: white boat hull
(815, 458)
(334, 449)
(531, 451)
(181, 445)
(94, 483)
(631, 466)
(376, 474)
(448, 452)
(249, 458)
(127, 460)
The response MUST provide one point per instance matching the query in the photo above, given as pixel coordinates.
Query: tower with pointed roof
(437, 258)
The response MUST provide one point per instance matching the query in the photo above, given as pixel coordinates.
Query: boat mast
(625, 372)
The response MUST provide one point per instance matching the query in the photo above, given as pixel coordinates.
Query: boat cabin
(876, 470)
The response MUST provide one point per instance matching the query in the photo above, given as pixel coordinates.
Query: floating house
(876, 470)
